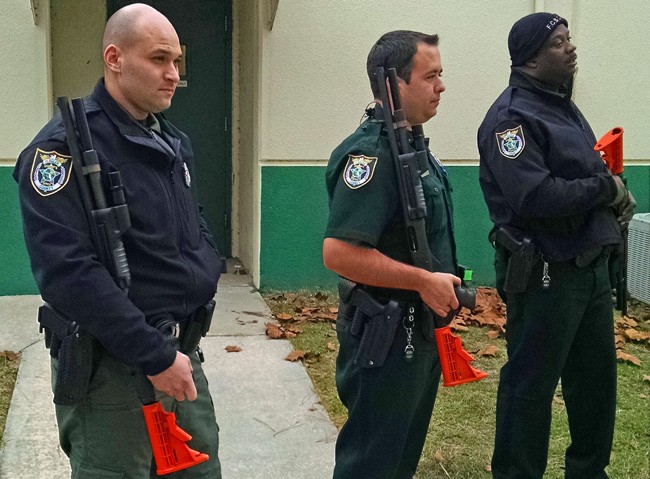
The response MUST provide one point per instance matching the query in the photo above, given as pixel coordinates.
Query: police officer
(172, 257)
(543, 181)
(389, 407)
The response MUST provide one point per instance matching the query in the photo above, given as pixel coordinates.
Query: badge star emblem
(50, 172)
(511, 142)
(359, 170)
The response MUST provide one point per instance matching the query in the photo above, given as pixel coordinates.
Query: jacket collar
(127, 125)
(519, 79)
(130, 128)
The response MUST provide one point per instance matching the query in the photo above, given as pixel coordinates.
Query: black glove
(621, 191)
(625, 210)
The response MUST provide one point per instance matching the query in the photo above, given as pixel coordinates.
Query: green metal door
(201, 106)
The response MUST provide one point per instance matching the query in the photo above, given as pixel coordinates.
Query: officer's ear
(113, 57)
(531, 62)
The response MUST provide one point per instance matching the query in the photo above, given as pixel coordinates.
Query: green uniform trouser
(105, 436)
(389, 407)
(564, 332)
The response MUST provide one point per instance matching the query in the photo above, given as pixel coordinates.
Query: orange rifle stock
(610, 147)
(454, 360)
(168, 440)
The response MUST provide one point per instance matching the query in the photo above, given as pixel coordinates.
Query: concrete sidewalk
(272, 424)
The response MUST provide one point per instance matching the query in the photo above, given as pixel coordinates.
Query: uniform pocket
(113, 386)
(434, 199)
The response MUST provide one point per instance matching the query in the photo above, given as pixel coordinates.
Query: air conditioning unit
(638, 257)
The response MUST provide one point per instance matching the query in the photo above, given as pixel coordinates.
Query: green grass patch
(8, 372)
(461, 434)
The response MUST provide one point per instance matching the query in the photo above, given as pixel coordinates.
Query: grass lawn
(8, 371)
(461, 433)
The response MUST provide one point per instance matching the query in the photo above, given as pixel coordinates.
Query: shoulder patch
(50, 172)
(359, 170)
(511, 142)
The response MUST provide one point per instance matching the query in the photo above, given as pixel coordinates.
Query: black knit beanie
(528, 34)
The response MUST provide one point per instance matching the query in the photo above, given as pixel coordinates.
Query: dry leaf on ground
(627, 358)
(232, 349)
(489, 350)
(10, 355)
(295, 355)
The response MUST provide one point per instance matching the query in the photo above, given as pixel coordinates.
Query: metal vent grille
(638, 257)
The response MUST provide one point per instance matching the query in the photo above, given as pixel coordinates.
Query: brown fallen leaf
(631, 323)
(334, 310)
(635, 335)
(273, 331)
(619, 341)
(627, 358)
(295, 355)
(558, 400)
(232, 349)
(458, 327)
(331, 346)
(492, 334)
(10, 355)
(283, 317)
(646, 377)
(438, 456)
(490, 351)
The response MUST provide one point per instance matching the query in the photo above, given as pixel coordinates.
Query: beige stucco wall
(613, 42)
(77, 29)
(314, 85)
(246, 121)
(24, 91)
(301, 87)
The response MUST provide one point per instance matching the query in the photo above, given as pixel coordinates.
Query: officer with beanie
(546, 188)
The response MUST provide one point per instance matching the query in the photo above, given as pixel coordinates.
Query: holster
(75, 356)
(375, 323)
(523, 257)
(196, 327)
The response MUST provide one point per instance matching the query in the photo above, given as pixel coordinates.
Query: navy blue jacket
(540, 174)
(173, 261)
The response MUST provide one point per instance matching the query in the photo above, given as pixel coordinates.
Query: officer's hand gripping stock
(610, 147)
(107, 225)
(409, 166)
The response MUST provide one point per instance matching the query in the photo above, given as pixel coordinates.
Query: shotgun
(409, 166)
(107, 225)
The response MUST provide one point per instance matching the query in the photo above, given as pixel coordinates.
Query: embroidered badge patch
(359, 170)
(50, 171)
(511, 142)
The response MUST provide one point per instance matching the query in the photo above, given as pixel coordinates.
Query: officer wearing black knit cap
(544, 185)
(529, 34)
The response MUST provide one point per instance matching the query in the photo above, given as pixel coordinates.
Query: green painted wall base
(16, 277)
(294, 213)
